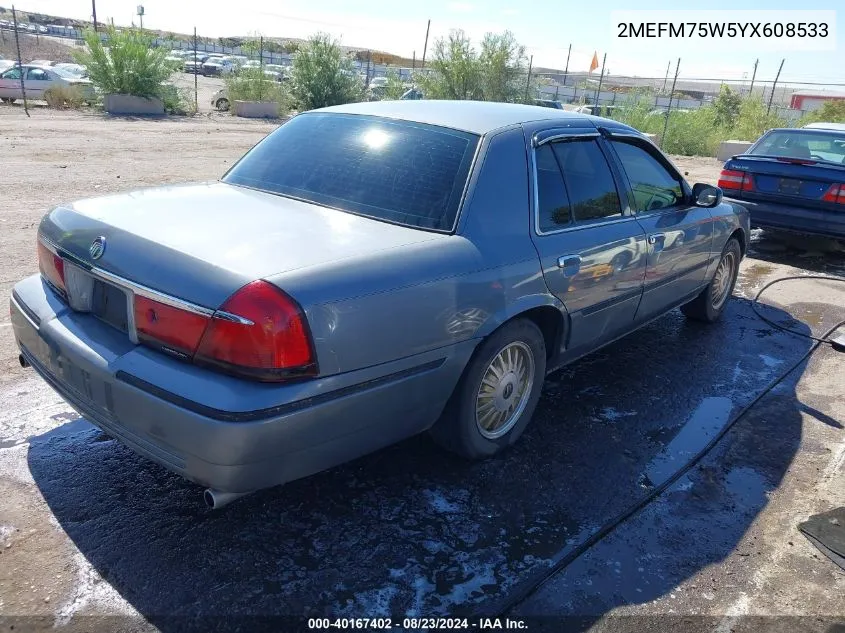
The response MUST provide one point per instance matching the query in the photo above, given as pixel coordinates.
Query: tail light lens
(836, 193)
(260, 333)
(164, 326)
(52, 268)
(736, 180)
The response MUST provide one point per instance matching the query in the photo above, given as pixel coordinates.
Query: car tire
(508, 401)
(709, 305)
(222, 105)
(7, 100)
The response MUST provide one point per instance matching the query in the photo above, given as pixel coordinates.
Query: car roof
(478, 117)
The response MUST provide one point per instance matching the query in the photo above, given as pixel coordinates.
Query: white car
(37, 80)
(378, 82)
(74, 69)
(826, 126)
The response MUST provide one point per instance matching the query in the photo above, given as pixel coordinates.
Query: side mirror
(706, 195)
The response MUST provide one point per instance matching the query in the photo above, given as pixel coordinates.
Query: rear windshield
(824, 146)
(396, 171)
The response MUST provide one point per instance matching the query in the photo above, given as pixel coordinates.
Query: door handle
(654, 238)
(570, 264)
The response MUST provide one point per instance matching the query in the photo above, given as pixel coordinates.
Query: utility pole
(669, 109)
(94, 12)
(753, 76)
(425, 46)
(772, 95)
(666, 78)
(601, 77)
(528, 81)
(566, 70)
(414, 61)
(18, 46)
(196, 92)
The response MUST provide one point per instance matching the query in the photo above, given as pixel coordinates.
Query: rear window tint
(808, 145)
(397, 171)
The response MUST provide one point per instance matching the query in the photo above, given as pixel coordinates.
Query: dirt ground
(88, 531)
(56, 157)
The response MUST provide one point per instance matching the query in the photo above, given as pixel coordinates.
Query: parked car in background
(74, 69)
(392, 270)
(220, 100)
(792, 179)
(826, 126)
(193, 64)
(412, 94)
(549, 103)
(217, 67)
(38, 80)
(378, 83)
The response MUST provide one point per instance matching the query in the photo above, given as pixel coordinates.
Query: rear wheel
(7, 99)
(709, 305)
(498, 393)
(222, 105)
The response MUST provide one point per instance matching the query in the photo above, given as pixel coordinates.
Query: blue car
(792, 180)
(366, 273)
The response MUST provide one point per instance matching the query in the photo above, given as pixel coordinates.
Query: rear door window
(398, 171)
(553, 210)
(589, 182)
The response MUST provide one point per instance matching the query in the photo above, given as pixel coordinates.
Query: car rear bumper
(137, 396)
(791, 218)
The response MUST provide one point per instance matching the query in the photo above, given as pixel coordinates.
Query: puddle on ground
(709, 418)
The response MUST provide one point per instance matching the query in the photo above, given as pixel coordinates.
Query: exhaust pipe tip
(216, 499)
(24, 362)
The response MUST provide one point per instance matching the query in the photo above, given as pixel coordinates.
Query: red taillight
(52, 267)
(162, 325)
(835, 193)
(259, 332)
(737, 180)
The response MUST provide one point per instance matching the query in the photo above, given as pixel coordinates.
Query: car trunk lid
(202, 242)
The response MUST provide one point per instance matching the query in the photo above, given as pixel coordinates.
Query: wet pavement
(412, 531)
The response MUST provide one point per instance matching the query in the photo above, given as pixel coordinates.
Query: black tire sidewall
(714, 313)
(471, 442)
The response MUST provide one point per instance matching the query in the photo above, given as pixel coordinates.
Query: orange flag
(595, 63)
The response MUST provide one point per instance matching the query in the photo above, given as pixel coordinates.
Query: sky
(546, 28)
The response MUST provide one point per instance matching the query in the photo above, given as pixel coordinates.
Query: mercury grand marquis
(365, 273)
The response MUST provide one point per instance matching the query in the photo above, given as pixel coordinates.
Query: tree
(726, 107)
(454, 69)
(129, 65)
(503, 68)
(323, 76)
(496, 72)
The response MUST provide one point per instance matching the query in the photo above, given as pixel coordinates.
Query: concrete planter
(130, 104)
(257, 109)
(731, 148)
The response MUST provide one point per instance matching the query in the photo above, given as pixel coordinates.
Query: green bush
(323, 76)
(498, 72)
(251, 84)
(128, 65)
(830, 112)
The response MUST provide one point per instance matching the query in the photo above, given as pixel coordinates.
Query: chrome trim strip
(234, 318)
(563, 137)
(127, 285)
(25, 314)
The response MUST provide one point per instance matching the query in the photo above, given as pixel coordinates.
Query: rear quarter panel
(376, 308)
